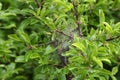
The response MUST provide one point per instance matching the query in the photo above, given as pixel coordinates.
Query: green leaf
(6, 16)
(59, 18)
(26, 22)
(101, 16)
(24, 36)
(106, 60)
(31, 55)
(38, 12)
(66, 8)
(49, 49)
(34, 37)
(108, 27)
(29, 11)
(103, 71)
(98, 61)
(34, 55)
(11, 66)
(72, 68)
(117, 28)
(14, 37)
(49, 22)
(102, 78)
(27, 55)
(20, 59)
(79, 46)
(113, 77)
(114, 70)
(5, 51)
(0, 5)
(12, 25)
(117, 25)
(2, 65)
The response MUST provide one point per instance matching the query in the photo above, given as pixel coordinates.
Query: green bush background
(59, 39)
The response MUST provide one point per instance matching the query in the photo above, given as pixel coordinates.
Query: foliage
(59, 39)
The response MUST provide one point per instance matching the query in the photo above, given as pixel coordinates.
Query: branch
(64, 34)
(38, 4)
(51, 42)
(78, 28)
(110, 39)
(54, 41)
(77, 20)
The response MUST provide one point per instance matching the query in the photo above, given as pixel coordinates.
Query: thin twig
(51, 42)
(77, 20)
(38, 4)
(64, 34)
(79, 29)
(110, 39)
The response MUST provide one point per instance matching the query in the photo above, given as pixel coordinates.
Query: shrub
(59, 39)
